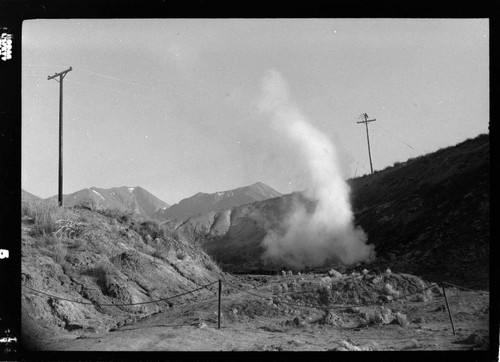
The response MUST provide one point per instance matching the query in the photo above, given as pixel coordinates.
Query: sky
(171, 105)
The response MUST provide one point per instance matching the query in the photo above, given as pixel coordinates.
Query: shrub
(89, 204)
(180, 254)
(103, 273)
(211, 264)
(151, 228)
(125, 217)
(48, 239)
(43, 215)
(159, 254)
(70, 228)
(59, 252)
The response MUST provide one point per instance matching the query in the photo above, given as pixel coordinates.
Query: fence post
(220, 289)
(448, 307)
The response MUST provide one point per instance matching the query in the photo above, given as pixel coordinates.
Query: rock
(295, 342)
(402, 320)
(334, 274)
(333, 319)
(388, 272)
(388, 289)
(350, 346)
(475, 339)
(378, 316)
(290, 273)
(326, 280)
(411, 344)
(386, 315)
(299, 322)
(421, 298)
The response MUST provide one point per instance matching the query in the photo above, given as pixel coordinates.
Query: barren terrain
(105, 280)
(257, 315)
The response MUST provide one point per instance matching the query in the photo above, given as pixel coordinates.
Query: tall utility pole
(368, 137)
(61, 76)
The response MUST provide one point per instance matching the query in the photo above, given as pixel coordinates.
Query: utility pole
(367, 136)
(61, 76)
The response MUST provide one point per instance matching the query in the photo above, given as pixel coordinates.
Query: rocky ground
(308, 312)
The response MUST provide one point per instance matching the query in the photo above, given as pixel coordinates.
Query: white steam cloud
(327, 233)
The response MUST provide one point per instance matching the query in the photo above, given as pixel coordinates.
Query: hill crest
(205, 202)
(124, 198)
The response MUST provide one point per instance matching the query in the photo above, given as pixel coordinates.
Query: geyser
(311, 237)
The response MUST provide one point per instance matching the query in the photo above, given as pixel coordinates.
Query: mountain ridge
(202, 202)
(428, 215)
(124, 198)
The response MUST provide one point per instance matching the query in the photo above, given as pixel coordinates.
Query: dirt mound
(85, 271)
(355, 289)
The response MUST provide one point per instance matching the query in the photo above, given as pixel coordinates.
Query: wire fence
(270, 297)
(121, 304)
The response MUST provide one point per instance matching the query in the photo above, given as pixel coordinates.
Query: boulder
(333, 319)
(475, 339)
(334, 274)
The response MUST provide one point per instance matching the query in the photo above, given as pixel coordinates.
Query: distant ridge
(135, 199)
(27, 196)
(202, 202)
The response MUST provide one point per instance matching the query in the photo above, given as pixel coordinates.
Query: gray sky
(170, 104)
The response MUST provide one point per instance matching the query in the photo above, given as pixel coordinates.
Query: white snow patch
(98, 194)
(131, 189)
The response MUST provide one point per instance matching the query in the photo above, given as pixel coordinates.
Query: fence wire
(224, 280)
(121, 304)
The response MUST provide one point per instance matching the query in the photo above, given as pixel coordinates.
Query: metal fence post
(448, 307)
(220, 290)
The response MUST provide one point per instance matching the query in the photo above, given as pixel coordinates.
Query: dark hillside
(430, 215)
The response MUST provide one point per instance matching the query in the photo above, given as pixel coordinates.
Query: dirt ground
(257, 317)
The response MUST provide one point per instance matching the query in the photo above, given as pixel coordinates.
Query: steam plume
(326, 233)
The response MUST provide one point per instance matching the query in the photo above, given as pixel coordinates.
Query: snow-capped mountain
(135, 199)
(203, 202)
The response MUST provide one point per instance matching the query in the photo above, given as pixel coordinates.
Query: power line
(399, 139)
